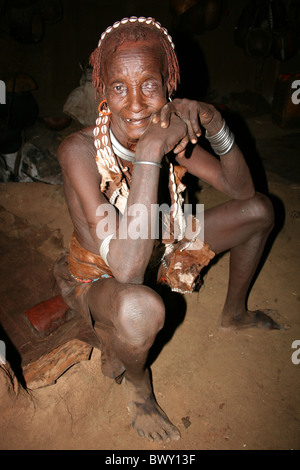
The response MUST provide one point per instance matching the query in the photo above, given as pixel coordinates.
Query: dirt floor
(223, 389)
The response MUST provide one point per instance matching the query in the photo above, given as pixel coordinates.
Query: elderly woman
(134, 152)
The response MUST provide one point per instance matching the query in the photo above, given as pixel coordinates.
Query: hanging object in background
(196, 16)
(284, 37)
(20, 83)
(263, 29)
(178, 7)
(253, 30)
(25, 21)
(27, 18)
(51, 10)
(213, 13)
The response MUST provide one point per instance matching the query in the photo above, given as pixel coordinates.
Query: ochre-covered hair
(134, 29)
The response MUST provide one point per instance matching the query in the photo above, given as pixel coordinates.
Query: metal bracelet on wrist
(144, 162)
(223, 141)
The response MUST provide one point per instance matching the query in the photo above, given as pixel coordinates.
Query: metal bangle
(216, 137)
(223, 141)
(148, 163)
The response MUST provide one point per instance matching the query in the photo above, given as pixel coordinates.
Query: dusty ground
(224, 390)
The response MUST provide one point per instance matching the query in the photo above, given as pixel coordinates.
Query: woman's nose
(136, 101)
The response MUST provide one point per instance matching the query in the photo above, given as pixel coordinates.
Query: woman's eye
(119, 88)
(149, 87)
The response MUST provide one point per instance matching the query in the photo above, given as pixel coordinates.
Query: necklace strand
(120, 150)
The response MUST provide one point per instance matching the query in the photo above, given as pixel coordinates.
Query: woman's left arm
(229, 173)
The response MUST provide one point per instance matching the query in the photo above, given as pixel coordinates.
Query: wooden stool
(60, 338)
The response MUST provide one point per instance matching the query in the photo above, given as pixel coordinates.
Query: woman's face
(135, 88)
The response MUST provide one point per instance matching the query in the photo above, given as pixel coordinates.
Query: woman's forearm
(130, 251)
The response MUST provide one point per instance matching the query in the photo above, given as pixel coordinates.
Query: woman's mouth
(137, 122)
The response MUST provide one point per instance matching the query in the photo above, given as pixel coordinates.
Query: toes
(161, 435)
(156, 437)
(263, 320)
(166, 436)
(253, 319)
(176, 436)
(140, 432)
(275, 318)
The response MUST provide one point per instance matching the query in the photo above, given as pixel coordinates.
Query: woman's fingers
(191, 131)
(179, 149)
(165, 114)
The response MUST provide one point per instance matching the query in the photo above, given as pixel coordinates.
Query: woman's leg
(242, 227)
(127, 319)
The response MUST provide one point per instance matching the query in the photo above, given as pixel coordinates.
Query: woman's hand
(194, 114)
(159, 140)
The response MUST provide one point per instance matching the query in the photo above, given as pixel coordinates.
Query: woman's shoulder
(80, 143)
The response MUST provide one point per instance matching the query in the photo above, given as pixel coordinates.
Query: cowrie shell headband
(135, 19)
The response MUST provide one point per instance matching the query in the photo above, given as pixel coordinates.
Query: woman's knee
(261, 211)
(141, 314)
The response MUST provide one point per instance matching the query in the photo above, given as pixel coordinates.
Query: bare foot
(147, 418)
(256, 319)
